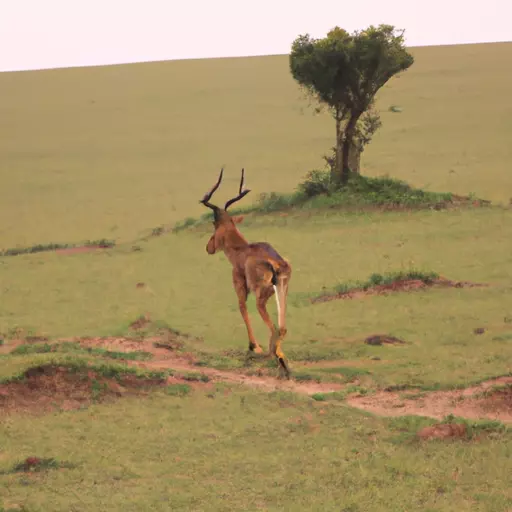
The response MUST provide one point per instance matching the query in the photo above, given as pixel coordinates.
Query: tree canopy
(344, 71)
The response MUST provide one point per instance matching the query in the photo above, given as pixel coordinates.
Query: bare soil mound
(405, 285)
(443, 431)
(49, 387)
(485, 401)
(383, 339)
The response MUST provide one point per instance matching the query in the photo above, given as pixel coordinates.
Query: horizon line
(154, 61)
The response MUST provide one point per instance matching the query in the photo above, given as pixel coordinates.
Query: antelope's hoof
(284, 369)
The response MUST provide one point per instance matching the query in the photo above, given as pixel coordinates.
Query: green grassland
(247, 451)
(110, 152)
(113, 152)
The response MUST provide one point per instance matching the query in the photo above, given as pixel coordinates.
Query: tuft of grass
(218, 361)
(178, 389)
(408, 426)
(16, 251)
(503, 337)
(19, 366)
(190, 221)
(194, 376)
(385, 279)
(302, 376)
(104, 243)
(350, 374)
(37, 465)
(74, 347)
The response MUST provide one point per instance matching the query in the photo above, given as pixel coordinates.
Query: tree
(344, 72)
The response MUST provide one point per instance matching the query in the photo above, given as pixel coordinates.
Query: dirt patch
(477, 402)
(81, 249)
(49, 387)
(404, 285)
(7, 348)
(443, 431)
(141, 322)
(383, 339)
(498, 399)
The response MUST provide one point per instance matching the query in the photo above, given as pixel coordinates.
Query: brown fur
(257, 267)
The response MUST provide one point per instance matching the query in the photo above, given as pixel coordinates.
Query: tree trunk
(354, 159)
(347, 144)
(336, 169)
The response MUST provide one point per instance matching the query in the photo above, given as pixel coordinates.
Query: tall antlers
(241, 193)
(209, 194)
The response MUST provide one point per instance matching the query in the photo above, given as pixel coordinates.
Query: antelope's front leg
(242, 292)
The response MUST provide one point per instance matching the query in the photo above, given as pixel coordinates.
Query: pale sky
(37, 34)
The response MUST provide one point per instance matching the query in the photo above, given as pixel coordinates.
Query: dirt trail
(168, 359)
(477, 402)
(464, 403)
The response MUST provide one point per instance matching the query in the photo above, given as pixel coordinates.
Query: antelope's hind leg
(259, 280)
(242, 292)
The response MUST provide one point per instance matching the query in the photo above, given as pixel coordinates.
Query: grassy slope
(191, 291)
(246, 450)
(110, 151)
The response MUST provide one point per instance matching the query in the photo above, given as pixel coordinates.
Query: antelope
(257, 268)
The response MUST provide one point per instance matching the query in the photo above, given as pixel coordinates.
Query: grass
(91, 184)
(68, 347)
(34, 464)
(96, 295)
(13, 367)
(119, 159)
(307, 457)
(16, 251)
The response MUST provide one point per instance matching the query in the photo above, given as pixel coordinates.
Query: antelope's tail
(280, 279)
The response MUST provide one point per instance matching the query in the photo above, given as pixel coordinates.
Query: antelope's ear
(210, 246)
(238, 219)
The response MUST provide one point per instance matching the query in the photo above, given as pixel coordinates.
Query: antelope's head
(223, 223)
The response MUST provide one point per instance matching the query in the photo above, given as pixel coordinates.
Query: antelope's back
(268, 250)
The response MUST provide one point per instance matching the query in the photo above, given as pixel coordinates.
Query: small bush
(273, 202)
(317, 191)
(316, 183)
(366, 190)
